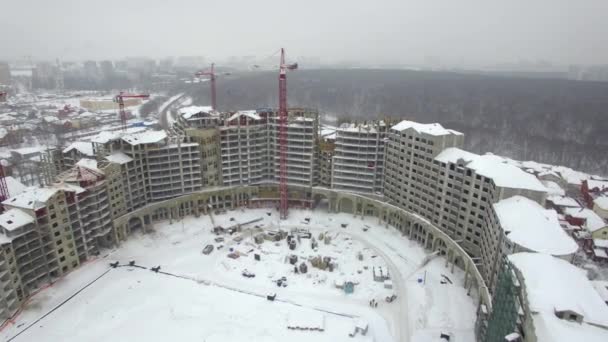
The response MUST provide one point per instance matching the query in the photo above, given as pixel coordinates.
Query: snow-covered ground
(206, 297)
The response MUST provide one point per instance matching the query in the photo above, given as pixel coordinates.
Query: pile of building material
(323, 263)
(381, 275)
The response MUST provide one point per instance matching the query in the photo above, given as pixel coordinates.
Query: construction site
(266, 224)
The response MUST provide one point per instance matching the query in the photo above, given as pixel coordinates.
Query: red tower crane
(211, 74)
(121, 105)
(212, 77)
(283, 204)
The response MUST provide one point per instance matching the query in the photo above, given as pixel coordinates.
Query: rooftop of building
(593, 221)
(504, 175)
(32, 198)
(15, 218)
(248, 113)
(188, 112)
(598, 184)
(119, 158)
(104, 137)
(602, 202)
(601, 286)
(366, 127)
(147, 137)
(14, 186)
(83, 147)
(533, 227)
(553, 188)
(563, 201)
(431, 129)
(560, 286)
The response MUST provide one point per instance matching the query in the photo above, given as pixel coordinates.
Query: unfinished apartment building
(410, 179)
(155, 167)
(244, 148)
(100, 198)
(302, 147)
(358, 160)
(37, 226)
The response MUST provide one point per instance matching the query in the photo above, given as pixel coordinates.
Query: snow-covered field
(206, 297)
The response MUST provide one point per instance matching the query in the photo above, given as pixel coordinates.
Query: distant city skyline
(467, 33)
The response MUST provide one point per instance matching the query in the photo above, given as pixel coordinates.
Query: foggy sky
(373, 31)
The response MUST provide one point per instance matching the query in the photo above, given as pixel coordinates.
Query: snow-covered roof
(107, 136)
(360, 127)
(14, 186)
(90, 164)
(31, 198)
(597, 184)
(504, 175)
(431, 129)
(15, 218)
(188, 112)
(600, 243)
(249, 113)
(563, 201)
(25, 151)
(119, 158)
(148, 137)
(553, 188)
(601, 286)
(560, 286)
(594, 222)
(83, 147)
(601, 202)
(531, 226)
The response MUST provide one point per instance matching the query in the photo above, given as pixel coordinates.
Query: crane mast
(212, 76)
(284, 202)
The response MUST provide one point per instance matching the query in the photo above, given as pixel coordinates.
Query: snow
(593, 221)
(148, 137)
(600, 253)
(601, 185)
(531, 226)
(249, 113)
(31, 198)
(504, 175)
(553, 188)
(27, 151)
(90, 164)
(14, 186)
(132, 303)
(563, 201)
(601, 202)
(83, 147)
(560, 286)
(119, 158)
(104, 137)
(601, 286)
(15, 218)
(353, 127)
(600, 243)
(188, 112)
(431, 129)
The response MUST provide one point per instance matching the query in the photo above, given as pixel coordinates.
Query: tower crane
(121, 105)
(212, 77)
(283, 67)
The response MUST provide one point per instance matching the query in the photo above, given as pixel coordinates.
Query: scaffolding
(504, 316)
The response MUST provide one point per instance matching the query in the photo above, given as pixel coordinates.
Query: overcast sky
(373, 31)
